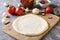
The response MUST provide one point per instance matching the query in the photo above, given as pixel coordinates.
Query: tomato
(49, 9)
(11, 10)
(19, 11)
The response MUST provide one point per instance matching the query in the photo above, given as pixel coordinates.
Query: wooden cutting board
(8, 29)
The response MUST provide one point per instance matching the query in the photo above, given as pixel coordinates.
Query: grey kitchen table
(54, 34)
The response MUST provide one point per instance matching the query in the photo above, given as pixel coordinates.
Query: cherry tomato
(49, 9)
(11, 10)
(19, 11)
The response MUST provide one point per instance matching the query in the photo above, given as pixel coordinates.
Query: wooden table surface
(54, 34)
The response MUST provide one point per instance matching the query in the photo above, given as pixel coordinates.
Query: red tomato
(11, 10)
(19, 11)
(49, 9)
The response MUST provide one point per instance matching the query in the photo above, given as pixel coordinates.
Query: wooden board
(10, 31)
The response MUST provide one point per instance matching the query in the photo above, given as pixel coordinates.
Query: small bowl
(57, 11)
(45, 4)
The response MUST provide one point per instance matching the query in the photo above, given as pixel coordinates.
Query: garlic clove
(5, 15)
(6, 4)
(43, 14)
(5, 20)
(27, 9)
(50, 17)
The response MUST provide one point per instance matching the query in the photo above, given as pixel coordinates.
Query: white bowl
(45, 5)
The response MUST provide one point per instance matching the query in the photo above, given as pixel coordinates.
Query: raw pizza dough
(30, 24)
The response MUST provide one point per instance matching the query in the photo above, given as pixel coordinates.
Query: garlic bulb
(35, 11)
(5, 14)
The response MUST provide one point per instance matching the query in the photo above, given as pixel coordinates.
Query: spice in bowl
(27, 3)
(44, 3)
(56, 11)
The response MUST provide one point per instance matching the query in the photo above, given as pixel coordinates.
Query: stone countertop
(54, 34)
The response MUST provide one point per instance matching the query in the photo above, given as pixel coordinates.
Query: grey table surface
(54, 34)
